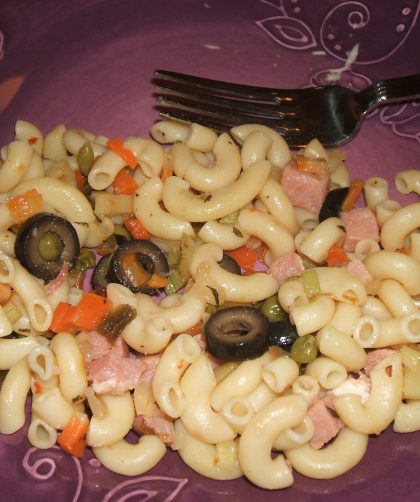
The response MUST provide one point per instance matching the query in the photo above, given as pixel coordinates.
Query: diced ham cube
(357, 268)
(158, 425)
(288, 265)
(150, 363)
(359, 223)
(326, 426)
(112, 368)
(94, 345)
(375, 357)
(304, 189)
(115, 374)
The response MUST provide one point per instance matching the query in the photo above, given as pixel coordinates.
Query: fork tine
(220, 123)
(216, 119)
(175, 81)
(254, 108)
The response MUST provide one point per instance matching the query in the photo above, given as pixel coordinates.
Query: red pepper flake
(32, 140)
(37, 387)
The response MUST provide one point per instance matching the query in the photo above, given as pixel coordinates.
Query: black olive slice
(282, 334)
(134, 262)
(230, 264)
(332, 203)
(237, 333)
(101, 274)
(44, 243)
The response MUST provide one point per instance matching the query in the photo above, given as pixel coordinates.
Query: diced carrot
(80, 179)
(62, 318)
(90, 311)
(136, 228)
(117, 145)
(21, 207)
(157, 281)
(315, 166)
(124, 183)
(73, 437)
(5, 293)
(196, 329)
(336, 256)
(245, 257)
(355, 189)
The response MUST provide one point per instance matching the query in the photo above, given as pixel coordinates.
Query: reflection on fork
(333, 113)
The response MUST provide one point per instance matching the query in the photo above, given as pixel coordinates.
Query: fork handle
(392, 90)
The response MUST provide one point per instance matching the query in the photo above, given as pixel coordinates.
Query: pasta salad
(218, 295)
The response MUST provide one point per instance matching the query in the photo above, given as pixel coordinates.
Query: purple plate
(89, 63)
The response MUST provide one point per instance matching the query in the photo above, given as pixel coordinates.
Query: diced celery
(311, 283)
(229, 219)
(176, 282)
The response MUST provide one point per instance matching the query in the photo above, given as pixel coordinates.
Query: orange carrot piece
(5, 293)
(124, 183)
(62, 319)
(117, 145)
(73, 437)
(25, 205)
(157, 281)
(336, 256)
(355, 189)
(136, 228)
(245, 257)
(90, 311)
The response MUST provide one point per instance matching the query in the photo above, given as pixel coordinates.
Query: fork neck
(393, 90)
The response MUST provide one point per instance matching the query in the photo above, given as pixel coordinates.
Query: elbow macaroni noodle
(224, 192)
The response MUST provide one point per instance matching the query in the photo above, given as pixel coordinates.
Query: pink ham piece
(357, 268)
(159, 425)
(288, 265)
(115, 374)
(359, 223)
(326, 426)
(305, 190)
(111, 368)
(375, 357)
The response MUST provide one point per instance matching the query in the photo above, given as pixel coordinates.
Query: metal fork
(331, 113)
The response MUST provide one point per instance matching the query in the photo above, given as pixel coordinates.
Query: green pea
(305, 349)
(272, 309)
(85, 158)
(50, 246)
